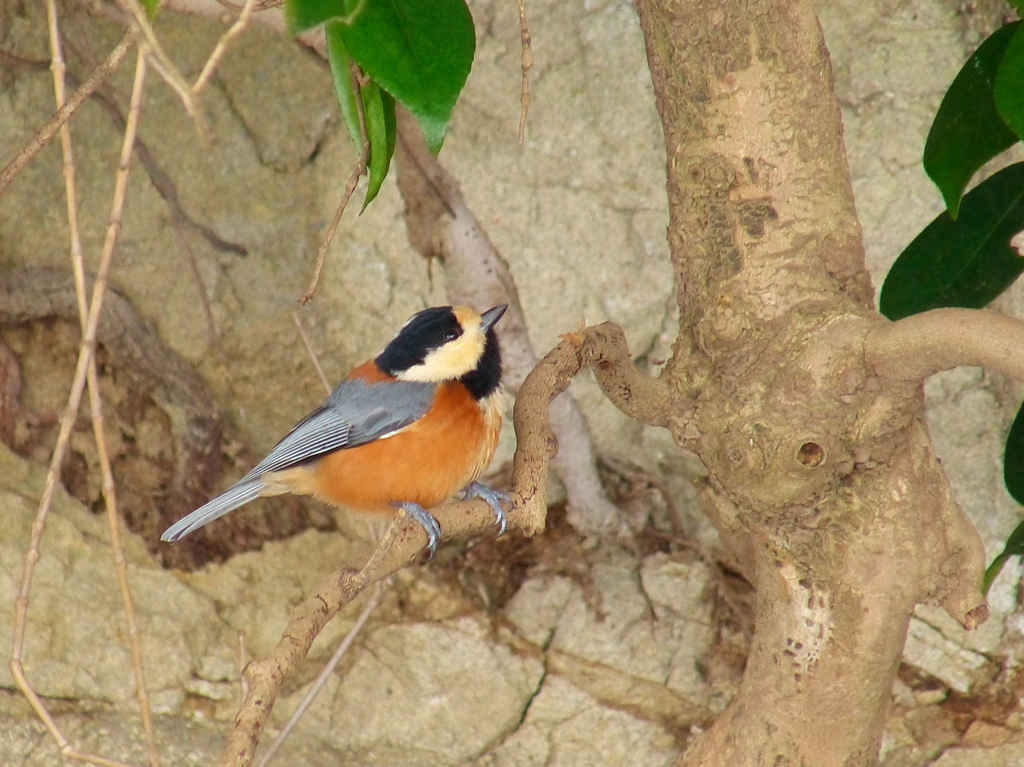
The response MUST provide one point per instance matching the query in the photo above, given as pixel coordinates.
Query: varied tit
(405, 430)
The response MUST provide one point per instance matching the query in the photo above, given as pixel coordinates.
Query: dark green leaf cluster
(418, 52)
(964, 257)
(964, 262)
(973, 122)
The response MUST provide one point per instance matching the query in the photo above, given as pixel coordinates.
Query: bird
(405, 430)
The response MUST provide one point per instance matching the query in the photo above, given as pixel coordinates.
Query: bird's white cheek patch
(451, 361)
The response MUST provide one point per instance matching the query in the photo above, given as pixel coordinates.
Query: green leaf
(151, 6)
(300, 15)
(381, 127)
(419, 51)
(995, 568)
(378, 112)
(968, 130)
(1014, 548)
(966, 262)
(1013, 476)
(1013, 459)
(341, 70)
(1009, 86)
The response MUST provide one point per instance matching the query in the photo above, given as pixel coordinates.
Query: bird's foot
(494, 499)
(427, 521)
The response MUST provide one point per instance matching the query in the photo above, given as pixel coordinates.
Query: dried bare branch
(402, 545)
(197, 277)
(162, 181)
(526, 62)
(916, 347)
(243, 661)
(602, 347)
(222, 47)
(350, 187)
(636, 394)
(163, 65)
(262, 5)
(120, 564)
(95, 403)
(20, 62)
(196, 424)
(86, 352)
(61, 116)
(312, 354)
(265, 12)
(325, 244)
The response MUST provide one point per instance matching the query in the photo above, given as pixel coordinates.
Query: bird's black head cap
(425, 331)
(447, 343)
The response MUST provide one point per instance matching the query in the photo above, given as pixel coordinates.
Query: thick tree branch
(916, 347)
(645, 399)
(821, 478)
(603, 347)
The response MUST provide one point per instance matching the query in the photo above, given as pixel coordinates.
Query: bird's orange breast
(426, 463)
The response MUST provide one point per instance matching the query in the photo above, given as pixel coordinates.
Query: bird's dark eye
(451, 335)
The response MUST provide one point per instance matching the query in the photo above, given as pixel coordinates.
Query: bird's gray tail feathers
(231, 499)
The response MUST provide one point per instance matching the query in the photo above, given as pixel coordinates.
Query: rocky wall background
(554, 652)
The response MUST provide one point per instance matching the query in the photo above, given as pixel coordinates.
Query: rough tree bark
(792, 389)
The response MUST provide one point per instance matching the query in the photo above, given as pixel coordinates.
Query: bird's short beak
(491, 316)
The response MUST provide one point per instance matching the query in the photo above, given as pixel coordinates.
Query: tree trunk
(821, 480)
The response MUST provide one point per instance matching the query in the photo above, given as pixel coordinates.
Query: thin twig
(321, 253)
(121, 565)
(311, 353)
(163, 183)
(243, 659)
(353, 632)
(20, 62)
(163, 65)
(161, 179)
(95, 403)
(262, 5)
(350, 187)
(190, 257)
(61, 116)
(81, 756)
(86, 350)
(324, 675)
(526, 61)
(222, 47)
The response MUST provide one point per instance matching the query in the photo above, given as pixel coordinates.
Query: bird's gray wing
(355, 413)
